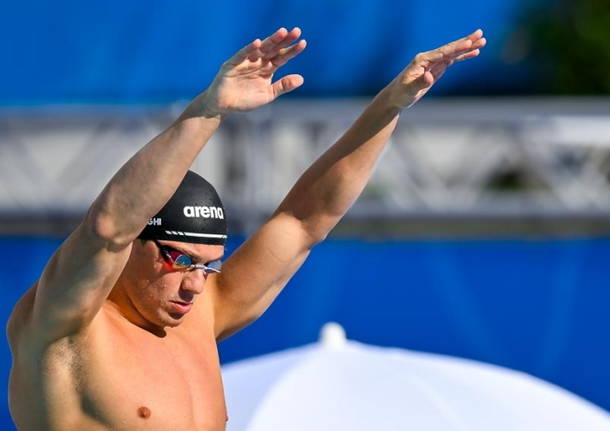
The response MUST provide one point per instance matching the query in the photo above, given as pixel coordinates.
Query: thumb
(425, 80)
(286, 84)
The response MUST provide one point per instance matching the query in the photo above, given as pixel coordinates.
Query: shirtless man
(120, 331)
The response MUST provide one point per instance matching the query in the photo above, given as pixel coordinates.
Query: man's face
(159, 293)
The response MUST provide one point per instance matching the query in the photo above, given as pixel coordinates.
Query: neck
(120, 302)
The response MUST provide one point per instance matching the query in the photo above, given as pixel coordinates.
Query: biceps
(256, 273)
(235, 308)
(269, 257)
(75, 283)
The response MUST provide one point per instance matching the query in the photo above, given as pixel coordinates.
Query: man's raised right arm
(81, 274)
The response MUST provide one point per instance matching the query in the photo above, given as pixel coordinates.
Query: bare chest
(141, 381)
(132, 380)
(148, 383)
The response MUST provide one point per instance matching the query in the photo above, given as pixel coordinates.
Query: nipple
(144, 412)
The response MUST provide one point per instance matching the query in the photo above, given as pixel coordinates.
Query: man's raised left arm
(255, 274)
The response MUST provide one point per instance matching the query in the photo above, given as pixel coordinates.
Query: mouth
(181, 306)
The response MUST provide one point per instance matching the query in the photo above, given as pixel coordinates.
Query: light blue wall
(540, 306)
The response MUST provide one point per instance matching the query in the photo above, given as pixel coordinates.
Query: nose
(192, 284)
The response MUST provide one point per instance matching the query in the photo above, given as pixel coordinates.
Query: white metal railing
(452, 157)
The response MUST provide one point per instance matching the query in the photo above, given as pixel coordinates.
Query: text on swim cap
(205, 212)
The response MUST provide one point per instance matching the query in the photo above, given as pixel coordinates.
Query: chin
(164, 320)
(173, 320)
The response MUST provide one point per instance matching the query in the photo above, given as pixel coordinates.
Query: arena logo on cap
(205, 212)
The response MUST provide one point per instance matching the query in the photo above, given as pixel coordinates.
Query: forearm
(330, 186)
(144, 184)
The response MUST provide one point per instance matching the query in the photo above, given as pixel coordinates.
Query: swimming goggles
(180, 260)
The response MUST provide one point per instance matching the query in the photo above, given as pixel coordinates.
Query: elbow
(316, 231)
(316, 238)
(105, 229)
(311, 229)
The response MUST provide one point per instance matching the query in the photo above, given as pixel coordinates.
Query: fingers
(468, 55)
(274, 51)
(286, 84)
(461, 48)
(473, 41)
(439, 68)
(466, 42)
(269, 43)
(246, 51)
(272, 45)
(475, 35)
(286, 54)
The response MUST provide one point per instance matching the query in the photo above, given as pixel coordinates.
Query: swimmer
(120, 331)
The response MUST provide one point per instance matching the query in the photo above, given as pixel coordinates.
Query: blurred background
(484, 232)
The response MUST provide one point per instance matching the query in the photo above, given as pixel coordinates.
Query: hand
(245, 81)
(428, 67)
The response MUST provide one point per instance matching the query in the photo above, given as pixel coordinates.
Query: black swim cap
(193, 214)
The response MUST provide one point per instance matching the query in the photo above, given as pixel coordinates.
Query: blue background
(539, 306)
(159, 51)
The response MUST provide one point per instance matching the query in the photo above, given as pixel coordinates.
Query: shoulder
(22, 334)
